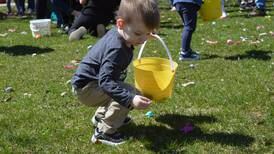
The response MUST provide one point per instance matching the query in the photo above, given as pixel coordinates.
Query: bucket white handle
(167, 51)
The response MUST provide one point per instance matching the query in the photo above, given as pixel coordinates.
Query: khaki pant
(112, 114)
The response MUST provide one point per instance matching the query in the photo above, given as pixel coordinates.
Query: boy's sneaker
(95, 120)
(191, 55)
(77, 34)
(101, 30)
(109, 139)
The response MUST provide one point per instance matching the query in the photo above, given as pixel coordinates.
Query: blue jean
(188, 14)
(60, 8)
(42, 10)
(21, 7)
(8, 6)
(260, 4)
(31, 5)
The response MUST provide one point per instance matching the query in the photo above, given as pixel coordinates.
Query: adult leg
(21, 7)
(8, 6)
(41, 9)
(82, 24)
(31, 6)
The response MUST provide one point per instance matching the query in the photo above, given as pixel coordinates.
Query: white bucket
(40, 27)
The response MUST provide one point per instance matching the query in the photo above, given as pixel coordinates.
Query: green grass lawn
(231, 104)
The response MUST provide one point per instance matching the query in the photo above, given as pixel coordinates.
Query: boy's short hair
(147, 10)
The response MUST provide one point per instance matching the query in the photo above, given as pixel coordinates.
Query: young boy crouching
(99, 79)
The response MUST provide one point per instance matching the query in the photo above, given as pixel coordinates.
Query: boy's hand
(140, 102)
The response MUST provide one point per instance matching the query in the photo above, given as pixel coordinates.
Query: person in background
(21, 7)
(94, 17)
(99, 78)
(9, 13)
(259, 9)
(64, 11)
(187, 10)
(42, 9)
(247, 4)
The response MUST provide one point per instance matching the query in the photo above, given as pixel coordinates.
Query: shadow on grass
(251, 54)
(20, 50)
(255, 54)
(161, 138)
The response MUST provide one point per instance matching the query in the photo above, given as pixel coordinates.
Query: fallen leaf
(63, 94)
(211, 42)
(27, 95)
(11, 30)
(229, 42)
(192, 65)
(75, 62)
(188, 83)
(3, 34)
(255, 42)
(243, 39)
(262, 34)
(33, 55)
(24, 33)
(70, 67)
(259, 27)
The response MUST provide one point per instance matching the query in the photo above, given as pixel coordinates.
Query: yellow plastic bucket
(154, 76)
(210, 10)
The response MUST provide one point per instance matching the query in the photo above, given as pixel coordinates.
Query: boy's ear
(120, 23)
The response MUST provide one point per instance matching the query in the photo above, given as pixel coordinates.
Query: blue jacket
(198, 2)
(107, 62)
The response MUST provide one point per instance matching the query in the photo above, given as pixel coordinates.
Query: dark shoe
(95, 120)
(191, 55)
(77, 34)
(108, 139)
(243, 6)
(257, 12)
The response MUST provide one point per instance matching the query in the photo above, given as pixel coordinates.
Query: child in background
(259, 9)
(99, 79)
(187, 10)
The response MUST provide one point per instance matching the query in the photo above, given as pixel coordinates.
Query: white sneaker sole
(98, 141)
(94, 122)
